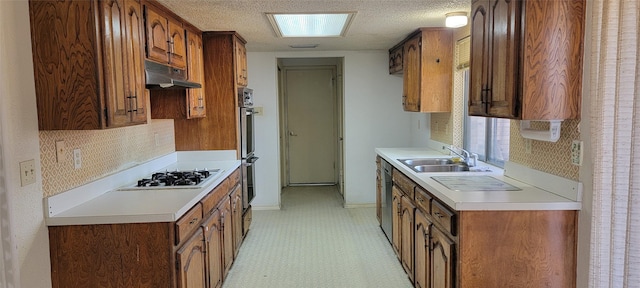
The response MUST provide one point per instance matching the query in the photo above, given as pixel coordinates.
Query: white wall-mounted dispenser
(551, 135)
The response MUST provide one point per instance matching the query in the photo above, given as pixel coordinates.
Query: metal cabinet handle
(194, 220)
(292, 134)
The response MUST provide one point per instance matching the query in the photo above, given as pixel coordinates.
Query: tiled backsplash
(103, 152)
(549, 157)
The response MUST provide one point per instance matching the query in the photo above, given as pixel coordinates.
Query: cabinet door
(236, 210)
(408, 210)
(123, 62)
(396, 60)
(134, 25)
(157, 37)
(442, 260)
(436, 68)
(195, 71)
(479, 70)
(505, 56)
(412, 68)
(191, 262)
(177, 44)
(396, 210)
(421, 251)
(227, 234)
(241, 63)
(213, 240)
(116, 63)
(378, 192)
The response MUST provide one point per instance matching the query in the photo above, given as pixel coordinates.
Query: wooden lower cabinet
(191, 262)
(407, 219)
(213, 242)
(226, 218)
(195, 251)
(446, 248)
(395, 211)
(422, 258)
(236, 213)
(442, 260)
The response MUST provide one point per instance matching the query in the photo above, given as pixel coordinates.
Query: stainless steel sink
(425, 161)
(434, 165)
(441, 168)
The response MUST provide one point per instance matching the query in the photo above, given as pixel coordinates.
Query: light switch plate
(27, 172)
(61, 151)
(576, 152)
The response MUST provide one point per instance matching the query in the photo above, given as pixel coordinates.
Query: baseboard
(363, 205)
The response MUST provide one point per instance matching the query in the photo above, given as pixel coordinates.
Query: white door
(310, 103)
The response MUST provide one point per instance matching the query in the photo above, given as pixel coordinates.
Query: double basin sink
(421, 165)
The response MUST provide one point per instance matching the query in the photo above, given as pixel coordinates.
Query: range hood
(161, 76)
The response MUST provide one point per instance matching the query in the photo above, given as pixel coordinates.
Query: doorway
(311, 121)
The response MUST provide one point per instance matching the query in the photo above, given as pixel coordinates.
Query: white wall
(373, 118)
(28, 263)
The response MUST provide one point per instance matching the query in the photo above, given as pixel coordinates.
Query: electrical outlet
(576, 152)
(27, 172)
(157, 139)
(77, 158)
(527, 146)
(61, 151)
(257, 111)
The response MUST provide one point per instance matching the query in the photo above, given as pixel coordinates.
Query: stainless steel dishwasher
(387, 200)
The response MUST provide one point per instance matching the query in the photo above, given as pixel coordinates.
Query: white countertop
(100, 202)
(528, 198)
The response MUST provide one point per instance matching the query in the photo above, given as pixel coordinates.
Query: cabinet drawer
(404, 183)
(212, 199)
(444, 216)
(234, 178)
(246, 219)
(188, 223)
(423, 200)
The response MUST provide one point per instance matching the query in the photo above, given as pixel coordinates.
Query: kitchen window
(485, 136)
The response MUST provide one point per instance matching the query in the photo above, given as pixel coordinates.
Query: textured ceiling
(378, 24)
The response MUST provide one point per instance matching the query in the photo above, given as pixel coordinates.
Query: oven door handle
(252, 159)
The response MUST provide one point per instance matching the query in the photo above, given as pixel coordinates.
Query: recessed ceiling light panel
(328, 24)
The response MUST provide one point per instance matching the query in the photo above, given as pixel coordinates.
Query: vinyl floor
(314, 242)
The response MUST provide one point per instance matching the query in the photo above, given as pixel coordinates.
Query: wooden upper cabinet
(220, 93)
(177, 44)
(428, 70)
(166, 41)
(396, 59)
(124, 62)
(157, 33)
(526, 59)
(195, 73)
(241, 63)
(411, 77)
(89, 71)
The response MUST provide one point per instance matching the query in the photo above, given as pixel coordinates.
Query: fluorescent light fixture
(455, 19)
(326, 24)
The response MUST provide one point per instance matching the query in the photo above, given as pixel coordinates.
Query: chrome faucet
(469, 158)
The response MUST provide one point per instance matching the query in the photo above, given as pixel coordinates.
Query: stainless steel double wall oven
(247, 145)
